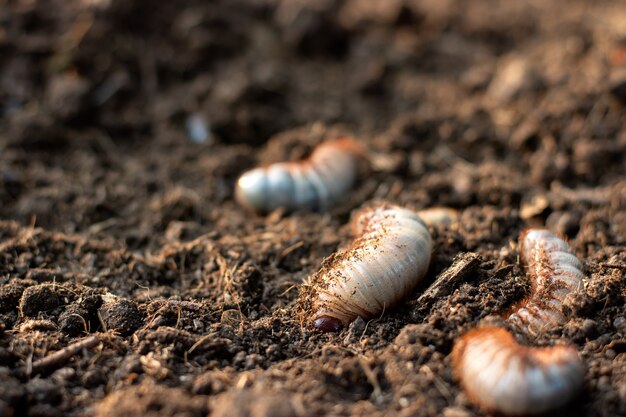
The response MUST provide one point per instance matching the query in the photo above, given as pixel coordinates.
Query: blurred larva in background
(314, 183)
(433, 216)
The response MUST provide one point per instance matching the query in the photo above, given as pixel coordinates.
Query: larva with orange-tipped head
(555, 272)
(382, 265)
(498, 374)
(313, 183)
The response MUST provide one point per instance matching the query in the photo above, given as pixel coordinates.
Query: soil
(125, 124)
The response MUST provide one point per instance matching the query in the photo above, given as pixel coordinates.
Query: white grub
(383, 264)
(500, 375)
(555, 272)
(314, 183)
(434, 216)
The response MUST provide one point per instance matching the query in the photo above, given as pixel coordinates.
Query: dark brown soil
(117, 222)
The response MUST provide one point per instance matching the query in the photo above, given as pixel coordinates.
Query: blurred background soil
(125, 124)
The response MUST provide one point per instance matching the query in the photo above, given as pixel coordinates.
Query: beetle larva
(501, 375)
(555, 272)
(382, 265)
(313, 183)
(439, 215)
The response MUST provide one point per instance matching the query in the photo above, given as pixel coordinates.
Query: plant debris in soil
(132, 284)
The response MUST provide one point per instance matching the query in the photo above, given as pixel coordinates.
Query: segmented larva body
(383, 264)
(555, 272)
(498, 374)
(313, 183)
(439, 216)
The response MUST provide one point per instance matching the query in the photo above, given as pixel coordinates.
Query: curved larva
(555, 272)
(383, 264)
(501, 375)
(439, 216)
(313, 183)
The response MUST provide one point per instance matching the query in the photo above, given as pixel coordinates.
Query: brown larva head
(319, 308)
(308, 306)
(327, 324)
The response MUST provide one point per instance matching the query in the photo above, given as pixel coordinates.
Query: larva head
(251, 190)
(316, 310)
(327, 324)
(330, 314)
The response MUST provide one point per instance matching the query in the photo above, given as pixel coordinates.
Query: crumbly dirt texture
(125, 124)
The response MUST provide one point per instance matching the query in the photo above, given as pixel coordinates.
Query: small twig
(57, 359)
(200, 342)
(463, 265)
(288, 290)
(290, 249)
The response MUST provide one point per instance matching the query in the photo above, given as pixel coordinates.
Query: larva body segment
(555, 272)
(313, 183)
(501, 375)
(383, 264)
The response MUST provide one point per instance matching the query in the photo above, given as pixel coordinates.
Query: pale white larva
(555, 272)
(500, 375)
(313, 183)
(382, 265)
(434, 216)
